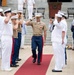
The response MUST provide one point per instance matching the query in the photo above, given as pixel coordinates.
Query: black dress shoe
(18, 59)
(56, 70)
(34, 60)
(14, 65)
(16, 62)
(38, 63)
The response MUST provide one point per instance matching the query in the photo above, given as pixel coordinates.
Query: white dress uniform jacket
(64, 23)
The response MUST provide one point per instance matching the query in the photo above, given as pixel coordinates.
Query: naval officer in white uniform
(64, 32)
(6, 40)
(58, 40)
(31, 4)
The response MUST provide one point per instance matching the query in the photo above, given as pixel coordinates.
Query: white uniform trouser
(30, 11)
(59, 54)
(22, 41)
(20, 7)
(6, 51)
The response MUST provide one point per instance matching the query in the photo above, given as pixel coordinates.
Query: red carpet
(28, 68)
